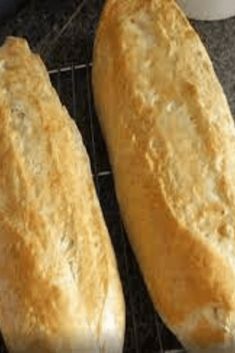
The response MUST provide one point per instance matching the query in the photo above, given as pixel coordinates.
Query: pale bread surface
(171, 141)
(59, 286)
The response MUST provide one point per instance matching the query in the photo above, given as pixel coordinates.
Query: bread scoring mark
(206, 327)
(150, 162)
(2, 66)
(133, 138)
(151, 97)
(67, 243)
(225, 230)
(200, 208)
(212, 191)
(218, 163)
(17, 111)
(19, 119)
(171, 106)
(141, 24)
(143, 97)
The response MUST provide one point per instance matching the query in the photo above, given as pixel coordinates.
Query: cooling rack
(63, 36)
(145, 332)
(62, 32)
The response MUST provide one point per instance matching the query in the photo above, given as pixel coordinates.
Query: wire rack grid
(145, 332)
(62, 37)
(62, 32)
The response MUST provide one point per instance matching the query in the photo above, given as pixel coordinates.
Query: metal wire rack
(62, 32)
(145, 332)
(61, 38)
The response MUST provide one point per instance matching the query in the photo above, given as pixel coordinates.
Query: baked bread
(171, 141)
(59, 287)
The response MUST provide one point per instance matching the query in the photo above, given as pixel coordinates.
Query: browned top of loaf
(171, 139)
(57, 269)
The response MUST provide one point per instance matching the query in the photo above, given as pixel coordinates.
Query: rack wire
(63, 35)
(145, 332)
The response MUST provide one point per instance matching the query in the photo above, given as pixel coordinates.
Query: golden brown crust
(59, 287)
(171, 140)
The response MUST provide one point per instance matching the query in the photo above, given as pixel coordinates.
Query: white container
(208, 10)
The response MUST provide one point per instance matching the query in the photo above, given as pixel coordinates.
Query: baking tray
(63, 33)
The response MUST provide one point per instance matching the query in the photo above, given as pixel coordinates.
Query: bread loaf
(59, 287)
(171, 141)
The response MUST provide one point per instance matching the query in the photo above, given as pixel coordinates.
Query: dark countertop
(61, 31)
(219, 39)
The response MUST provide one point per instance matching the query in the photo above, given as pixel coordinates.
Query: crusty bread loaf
(171, 141)
(59, 287)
